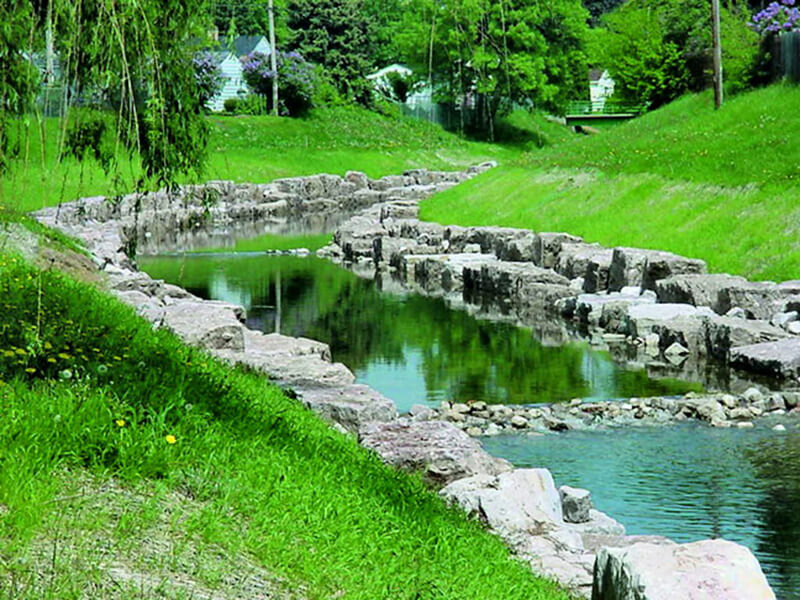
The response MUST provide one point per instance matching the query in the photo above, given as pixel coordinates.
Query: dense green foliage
(721, 185)
(657, 51)
(276, 483)
(490, 55)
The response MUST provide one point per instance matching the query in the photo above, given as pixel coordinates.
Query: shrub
(231, 105)
(208, 76)
(296, 79)
(777, 17)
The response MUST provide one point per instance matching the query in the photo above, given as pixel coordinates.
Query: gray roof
(244, 44)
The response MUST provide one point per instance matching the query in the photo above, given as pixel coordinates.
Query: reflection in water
(687, 482)
(411, 348)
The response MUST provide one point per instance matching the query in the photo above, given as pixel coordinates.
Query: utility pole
(273, 59)
(715, 25)
(49, 52)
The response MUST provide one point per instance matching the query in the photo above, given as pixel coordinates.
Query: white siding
(234, 82)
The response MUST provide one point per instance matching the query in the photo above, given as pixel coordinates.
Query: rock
(676, 350)
(707, 570)
(440, 450)
(779, 359)
(598, 523)
(519, 422)
(516, 249)
(351, 406)
(783, 319)
(575, 503)
(518, 501)
(146, 306)
(634, 266)
(793, 328)
(759, 300)
(590, 262)
(736, 313)
(206, 324)
(745, 425)
(606, 310)
(779, 428)
(695, 289)
(724, 333)
(547, 248)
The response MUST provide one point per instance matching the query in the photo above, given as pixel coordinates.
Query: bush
(231, 105)
(296, 77)
(208, 76)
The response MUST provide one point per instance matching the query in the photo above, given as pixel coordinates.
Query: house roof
(244, 44)
(395, 68)
(596, 74)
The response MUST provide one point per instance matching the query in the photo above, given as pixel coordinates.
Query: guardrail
(581, 107)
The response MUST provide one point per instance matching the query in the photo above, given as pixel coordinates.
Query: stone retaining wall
(556, 530)
(668, 313)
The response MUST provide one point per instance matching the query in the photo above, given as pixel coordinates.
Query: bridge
(595, 113)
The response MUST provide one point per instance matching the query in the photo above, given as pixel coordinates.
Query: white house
(601, 88)
(231, 67)
(419, 96)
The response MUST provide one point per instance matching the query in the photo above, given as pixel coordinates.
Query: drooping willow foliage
(131, 59)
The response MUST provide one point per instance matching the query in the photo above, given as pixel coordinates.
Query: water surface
(687, 482)
(411, 348)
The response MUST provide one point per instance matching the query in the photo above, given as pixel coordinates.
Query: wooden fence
(786, 56)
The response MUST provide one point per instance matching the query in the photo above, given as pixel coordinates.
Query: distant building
(601, 88)
(229, 61)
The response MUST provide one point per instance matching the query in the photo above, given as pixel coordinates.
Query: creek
(686, 482)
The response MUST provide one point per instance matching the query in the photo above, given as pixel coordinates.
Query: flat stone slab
(724, 333)
(642, 318)
(779, 359)
(705, 570)
(440, 450)
(351, 406)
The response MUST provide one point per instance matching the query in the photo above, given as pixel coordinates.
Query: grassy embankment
(260, 149)
(723, 186)
(132, 466)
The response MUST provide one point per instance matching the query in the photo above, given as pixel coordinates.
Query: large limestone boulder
(547, 247)
(575, 503)
(642, 318)
(522, 501)
(696, 289)
(637, 267)
(779, 359)
(589, 261)
(351, 406)
(724, 333)
(607, 310)
(506, 282)
(210, 325)
(759, 299)
(439, 449)
(705, 570)
(516, 249)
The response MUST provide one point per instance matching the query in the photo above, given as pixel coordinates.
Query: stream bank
(522, 505)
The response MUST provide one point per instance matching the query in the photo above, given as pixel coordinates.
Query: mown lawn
(722, 186)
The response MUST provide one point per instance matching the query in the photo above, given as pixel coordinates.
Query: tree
(657, 50)
(295, 74)
(335, 34)
(494, 55)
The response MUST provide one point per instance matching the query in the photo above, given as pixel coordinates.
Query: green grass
(260, 149)
(722, 186)
(273, 242)
(92, 392)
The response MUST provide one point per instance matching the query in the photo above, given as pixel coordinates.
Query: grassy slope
(92, 392)
(257, 495)
(722, 186)
(259, 149)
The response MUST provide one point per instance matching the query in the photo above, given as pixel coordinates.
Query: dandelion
(120, 422)
(30, 370)
(51, 360)
(170, 439)
(64, 356)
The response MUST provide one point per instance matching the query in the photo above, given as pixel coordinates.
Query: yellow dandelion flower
(120, 422)
(170, 439)
(20, 351)
(51, 360)
(64, 355)
(48, 346)
(30, 370)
